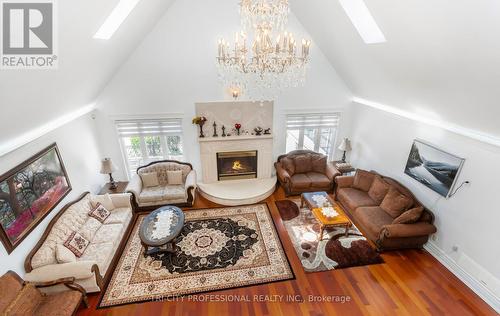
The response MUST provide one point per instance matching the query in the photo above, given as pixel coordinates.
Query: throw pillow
(319, 163)
(100, 213)
(288, 165)
(363, 180)
(104, 200)
(76, 243)
(378, 189)
(64, 255)
(150, 179)
(174, 177)
(303, 164)
(409, 217)
(395, 203)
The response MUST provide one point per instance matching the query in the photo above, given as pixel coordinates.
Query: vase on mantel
(201, 123)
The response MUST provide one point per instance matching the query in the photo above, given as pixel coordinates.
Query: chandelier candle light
(272, 62)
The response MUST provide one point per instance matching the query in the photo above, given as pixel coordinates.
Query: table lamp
(345, 146)
(107, 167)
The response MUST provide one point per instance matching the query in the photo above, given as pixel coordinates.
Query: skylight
(363, 21)
(115, 19)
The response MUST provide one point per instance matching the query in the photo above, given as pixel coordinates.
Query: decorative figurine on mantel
(237, 126)
(200, 121)
(258, 131)
(267, 131)
(223, 131)
(215, 130)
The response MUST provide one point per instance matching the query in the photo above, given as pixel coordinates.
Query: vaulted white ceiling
(441, 59)
(33, 97)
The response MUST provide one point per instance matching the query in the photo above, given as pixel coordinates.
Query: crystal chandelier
(271, 62)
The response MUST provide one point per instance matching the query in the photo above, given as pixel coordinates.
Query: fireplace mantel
(233, 138)
(250, 115)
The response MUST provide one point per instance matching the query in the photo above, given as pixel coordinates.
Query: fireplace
(237, 165)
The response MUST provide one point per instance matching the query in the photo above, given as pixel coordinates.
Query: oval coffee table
(159, 230)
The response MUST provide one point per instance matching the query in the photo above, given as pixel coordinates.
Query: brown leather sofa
(386, 211)
(22, 298)
(305, 171)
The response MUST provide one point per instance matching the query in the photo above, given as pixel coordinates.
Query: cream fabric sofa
(89, 270)
(164, 194)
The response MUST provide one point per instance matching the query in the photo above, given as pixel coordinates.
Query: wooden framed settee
(43, 263)
(161, 189)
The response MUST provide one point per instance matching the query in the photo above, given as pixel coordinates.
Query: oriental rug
(218, 248)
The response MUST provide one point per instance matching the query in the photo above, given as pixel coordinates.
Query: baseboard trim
(475, 285)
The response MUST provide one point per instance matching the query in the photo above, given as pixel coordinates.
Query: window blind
(301, 121)
(131, 128)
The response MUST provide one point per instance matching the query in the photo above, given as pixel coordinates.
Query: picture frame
(433, 167)
(29, 192)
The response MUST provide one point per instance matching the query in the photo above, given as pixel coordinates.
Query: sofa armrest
(67, 282)
(282, 174)
(407, 230)
(344, 181)
(135, 186)
(121, 200)
(190, 180)
(331, 172)
(78, 270)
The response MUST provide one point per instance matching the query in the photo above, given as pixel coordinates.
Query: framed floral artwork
(29, 192)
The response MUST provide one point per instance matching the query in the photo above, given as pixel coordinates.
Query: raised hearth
(238, 192)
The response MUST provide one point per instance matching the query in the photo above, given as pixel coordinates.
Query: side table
(120, 188)
(344, 168)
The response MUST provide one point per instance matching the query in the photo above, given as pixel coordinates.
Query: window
(315, 132)
(145, 141)
(363, 21)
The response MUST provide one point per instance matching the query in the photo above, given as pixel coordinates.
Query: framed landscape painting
(29, 192)
(433, 167)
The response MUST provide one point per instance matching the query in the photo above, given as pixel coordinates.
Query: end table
(344, 168)
(120, 188)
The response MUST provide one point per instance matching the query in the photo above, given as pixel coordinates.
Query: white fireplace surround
(249, 115)
(209, 147)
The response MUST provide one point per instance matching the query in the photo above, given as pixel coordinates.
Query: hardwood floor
(410, 282)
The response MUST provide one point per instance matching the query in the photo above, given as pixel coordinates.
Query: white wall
(469, 220)
(175, 67)
(31, 98)
(78, 144)
(440, 58)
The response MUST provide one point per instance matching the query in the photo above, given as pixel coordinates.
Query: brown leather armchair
(25, 298)
(305, 171)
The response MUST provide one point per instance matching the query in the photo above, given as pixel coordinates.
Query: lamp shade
(345, 145)
(107, 166)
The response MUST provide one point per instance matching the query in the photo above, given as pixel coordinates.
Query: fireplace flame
(237, 165)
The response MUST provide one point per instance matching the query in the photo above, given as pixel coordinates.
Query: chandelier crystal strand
(270, 63)
(256, 13)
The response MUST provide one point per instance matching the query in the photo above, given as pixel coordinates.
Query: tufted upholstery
(164, 193)
(375, 221)
(305, 171)
(104, 240)
(162, 168)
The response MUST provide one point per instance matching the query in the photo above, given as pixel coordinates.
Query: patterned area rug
(217, 249)
(335, 251)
